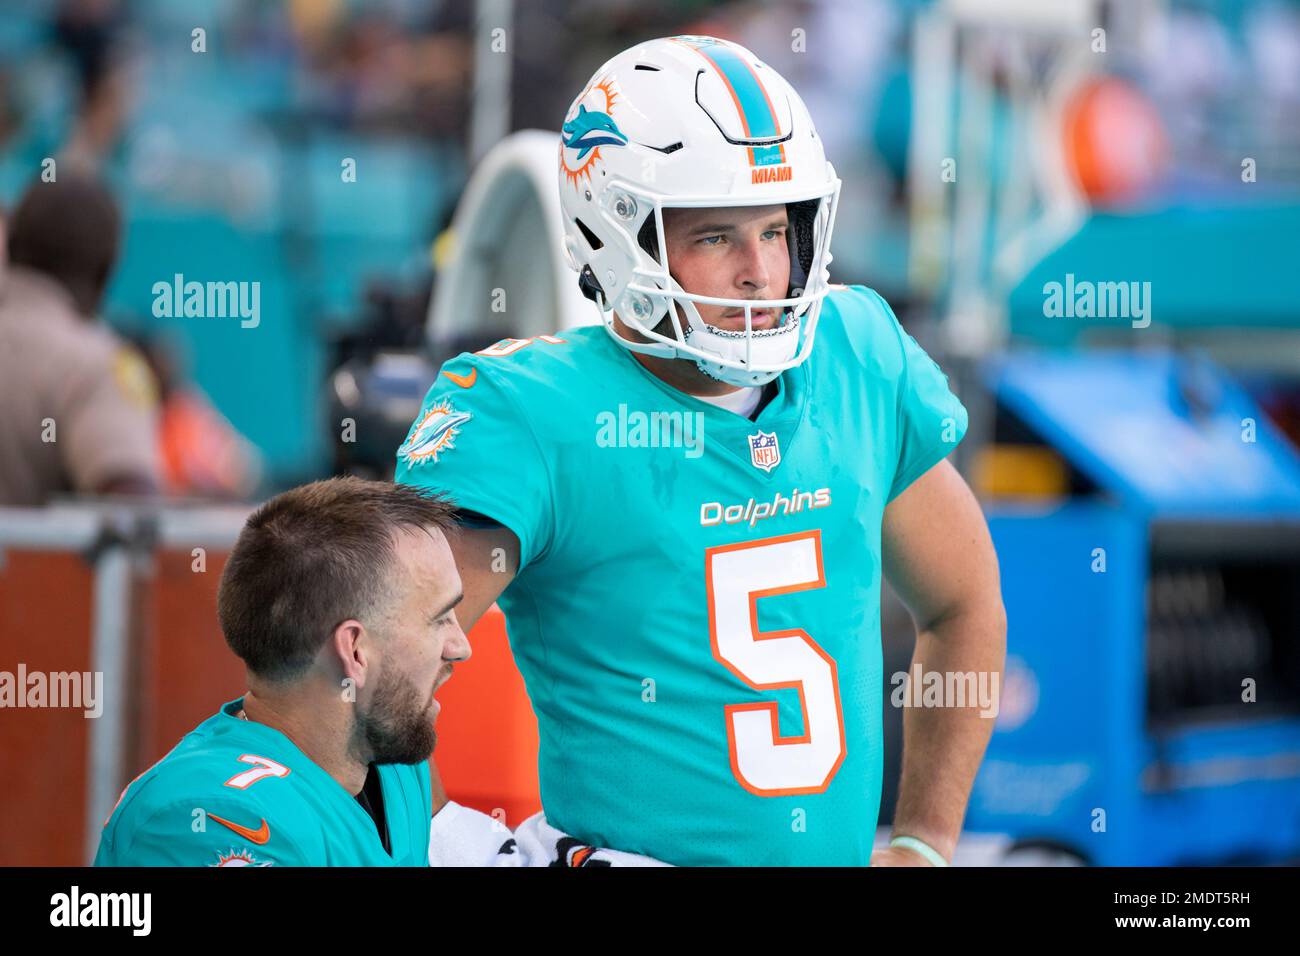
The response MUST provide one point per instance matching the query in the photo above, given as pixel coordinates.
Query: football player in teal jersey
(340, 597)
(686, 511)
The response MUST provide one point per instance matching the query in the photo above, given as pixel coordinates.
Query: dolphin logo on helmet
(590, 129)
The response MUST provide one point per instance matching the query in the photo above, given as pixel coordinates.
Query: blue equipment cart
(1151, 705)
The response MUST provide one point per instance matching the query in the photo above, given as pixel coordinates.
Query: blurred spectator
(202, 453)
(11, 118)
(90, 33)
(78, 409)
(376, 70)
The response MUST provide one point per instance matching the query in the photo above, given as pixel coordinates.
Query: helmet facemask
(741, 357)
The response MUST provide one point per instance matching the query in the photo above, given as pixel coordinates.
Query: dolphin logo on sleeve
(433, 432)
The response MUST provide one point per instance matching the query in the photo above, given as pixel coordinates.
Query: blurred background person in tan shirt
(78, 407)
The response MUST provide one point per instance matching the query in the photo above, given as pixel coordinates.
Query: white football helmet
(700, 122)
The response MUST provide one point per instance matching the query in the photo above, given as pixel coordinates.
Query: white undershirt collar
(743, 401)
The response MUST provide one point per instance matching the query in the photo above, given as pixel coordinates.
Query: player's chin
(420, 742)
(434, 707)
(409, 745)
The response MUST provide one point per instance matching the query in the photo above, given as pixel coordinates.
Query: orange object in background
(1020, 471)
(487, 734)
(1115, 141)
(201, 452)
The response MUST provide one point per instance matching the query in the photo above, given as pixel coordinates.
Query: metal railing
(110, 537)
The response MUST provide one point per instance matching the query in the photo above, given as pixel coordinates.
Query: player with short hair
(340, 598)
(696, 499)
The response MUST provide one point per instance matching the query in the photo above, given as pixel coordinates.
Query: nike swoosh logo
(259, 836)
(464, 381)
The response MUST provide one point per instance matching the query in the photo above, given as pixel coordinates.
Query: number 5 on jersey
(736, 576)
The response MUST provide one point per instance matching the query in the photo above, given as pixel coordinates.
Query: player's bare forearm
(943, 746)
(940, 559)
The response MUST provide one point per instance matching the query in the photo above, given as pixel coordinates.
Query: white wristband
(921, 847)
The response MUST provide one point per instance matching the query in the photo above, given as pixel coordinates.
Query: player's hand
(898, 856)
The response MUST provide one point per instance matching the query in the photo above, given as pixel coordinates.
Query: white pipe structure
(111, 630)
(1037, 206)
(494, 42)
(507, 265)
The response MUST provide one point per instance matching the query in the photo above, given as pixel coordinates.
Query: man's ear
(353, 650)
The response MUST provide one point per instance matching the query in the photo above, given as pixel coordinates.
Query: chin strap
(737, 377)
(655, 349)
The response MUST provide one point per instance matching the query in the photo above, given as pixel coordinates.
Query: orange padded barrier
(184, 671)
(487, 734)
(45, 610)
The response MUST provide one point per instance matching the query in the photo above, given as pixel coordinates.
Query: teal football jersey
(239, 793)
(697, 611)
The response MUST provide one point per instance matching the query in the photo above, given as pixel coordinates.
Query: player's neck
(321, 735)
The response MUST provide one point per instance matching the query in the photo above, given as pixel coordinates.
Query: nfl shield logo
(764, 452)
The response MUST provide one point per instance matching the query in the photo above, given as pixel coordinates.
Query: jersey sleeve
(473, 442)
(931, 419)
(220, 833)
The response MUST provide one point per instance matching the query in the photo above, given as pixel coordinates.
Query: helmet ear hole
(802, 218)
(592, 239)
(648, 238)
